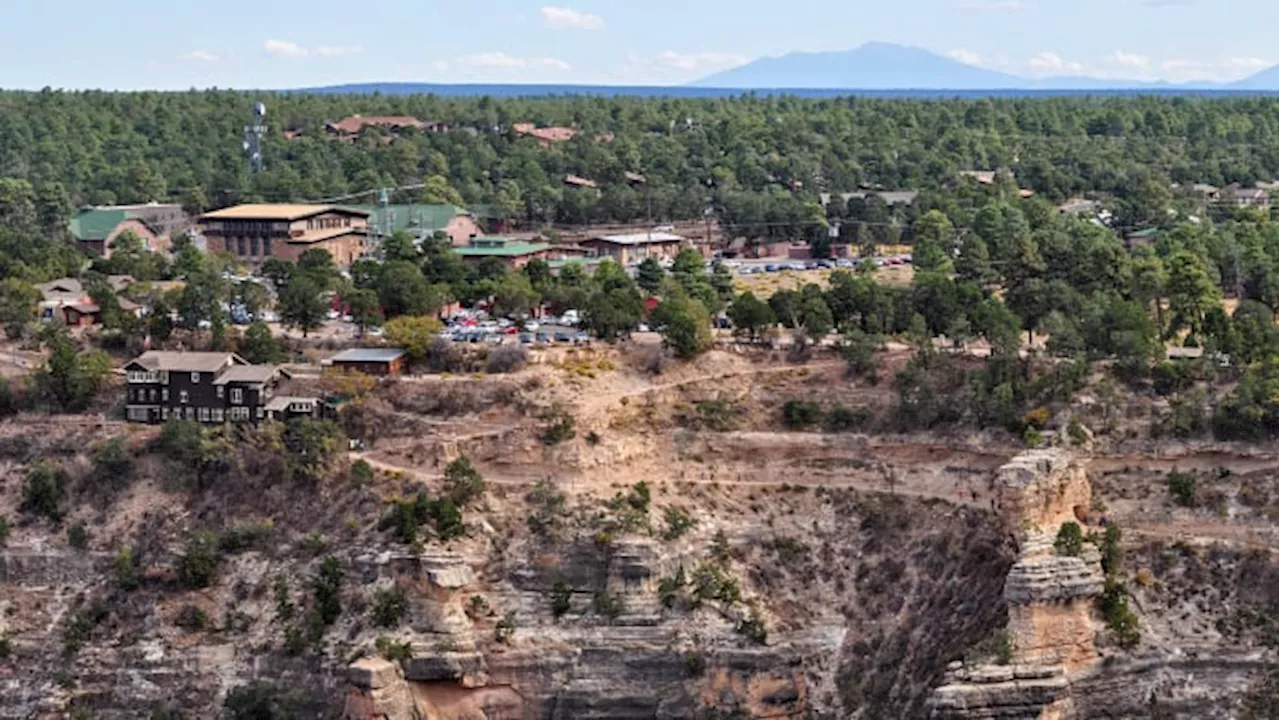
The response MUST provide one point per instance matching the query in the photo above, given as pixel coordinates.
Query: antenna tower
(253, 133)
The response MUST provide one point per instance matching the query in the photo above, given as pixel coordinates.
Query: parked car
(543, 337)
(531, 326)
(526, 338)
(563, 336)
(582, 338)
(771, 268)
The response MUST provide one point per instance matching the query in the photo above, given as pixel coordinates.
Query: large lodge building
(253, 233)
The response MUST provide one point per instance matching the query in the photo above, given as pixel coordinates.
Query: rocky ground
(680, 553)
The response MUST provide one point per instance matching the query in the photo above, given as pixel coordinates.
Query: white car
(532, 326)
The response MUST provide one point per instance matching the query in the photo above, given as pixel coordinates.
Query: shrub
(800, 413)
(607, 605)
(841, 418)
(6, 647)
(1114, 604)
(78, 537)
(449, 523)
(998, 648)
(361, 473)
(126, 570)
(678, 522)
(284, 605)
(559, 428)
(1076, 432)
(199, 561)
(506, 359)
(240, 538)
(669, 588)
(1036, 418)
(390, 605)
(1110, 550)
(112, 465)
(442, 356)
(548, 507)
(1182, 487)
(561, 597)
(4, 530)
(263, 701)
(392, 650)
(710, 582)
(505, 628)
(1032, 437)
(463, 482)
(718, 415)
(327, 587)
(191, 618)
(80, 626)
(753, 628)
(44, 491)
(1070, 540)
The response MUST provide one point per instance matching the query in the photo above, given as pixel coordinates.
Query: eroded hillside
(735, 537)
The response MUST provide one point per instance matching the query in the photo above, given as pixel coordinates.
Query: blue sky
(171, 44)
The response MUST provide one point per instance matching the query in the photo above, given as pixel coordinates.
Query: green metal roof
(95, 223)
(429, 218)
(500, 247)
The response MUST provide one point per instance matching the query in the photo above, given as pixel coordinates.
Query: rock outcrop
(1050, 631)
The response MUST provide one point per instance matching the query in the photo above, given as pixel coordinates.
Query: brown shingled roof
(355, 123)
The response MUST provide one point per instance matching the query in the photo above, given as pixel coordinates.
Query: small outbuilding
(382, 362)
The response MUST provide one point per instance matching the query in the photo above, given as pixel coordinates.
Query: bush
(392, 650)
(800, 413)
(263, 701)
(718, 415)
(191, 618)
(1114, 604)
(678, 522)
(607, 605)
(753, 628)
(6, 647)
(44, 491)
(199, 561)
(390, 605)
(561, 598)
(559, 428)
(1077, 433)
(112, 465)
(126, 570)
(506, 359)
(505, 628)
(78, 537)
(240, 538)
(327, 587)
(1036, 418)
(998, 648)
(442, 356)
(1032, 437)
(4, 530)
(1110, 550)
(1182, 488)
(843, 419)
(361, 473)
(1070, 540)
(463, 482)
(548, 505)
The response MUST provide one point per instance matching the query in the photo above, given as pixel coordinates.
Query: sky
(177, 44)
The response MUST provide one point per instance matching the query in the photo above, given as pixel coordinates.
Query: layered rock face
(1050, 632)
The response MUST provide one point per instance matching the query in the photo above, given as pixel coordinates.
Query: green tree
(402, 290)
(649, 275)
(610, 314)
(413, 333)
(1191, 292)
(438, 191)
(302, 304)
(364, 307)
(317, 264)
(463, 482)
(17, 306)
(69, 380)
(684, 324)
(44, 491)
(514, 296)
(750, 315)
(259, 346)
(933, 238)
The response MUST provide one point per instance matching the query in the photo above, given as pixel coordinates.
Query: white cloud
(967, 57)
(1051, 64)
(1244, 63)
(201, 55)
(1129, 60)
(285, 48)
(502, 60)
(563, 17)
(673, 66)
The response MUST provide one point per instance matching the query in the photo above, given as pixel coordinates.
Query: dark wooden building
(370, 361)
(208, 387)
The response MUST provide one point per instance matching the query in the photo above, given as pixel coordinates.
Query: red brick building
(253, 233)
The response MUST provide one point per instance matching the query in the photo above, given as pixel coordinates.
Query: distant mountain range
(885, 66)
(873, 69)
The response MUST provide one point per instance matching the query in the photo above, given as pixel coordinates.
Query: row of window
(235, 414)
(250, 246)
(162, 377)
(328, 223)
(142, 395)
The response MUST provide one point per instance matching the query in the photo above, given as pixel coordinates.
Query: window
(137, 414)
(219, 392)
(253, 245)
(238, 413)
(195, 378)
(191, 413)
(182, 397)
(240, 248)
(153, 394)
(260, 413)
(266, 246)
(204, 414)
(217, 415)
(237, 396)
(164, 394)
(164, 377)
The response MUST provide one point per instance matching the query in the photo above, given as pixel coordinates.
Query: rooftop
(354, 123)
(247, 374)
(186, 361)
(364, 355)
(417, 217)
(280, 403)
(644, 238)
(500, 247)
(276, 212)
